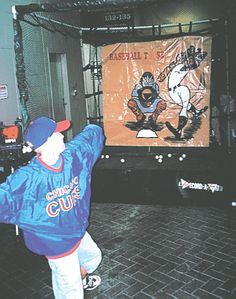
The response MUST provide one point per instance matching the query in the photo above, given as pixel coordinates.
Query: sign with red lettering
(157, 93)
(3, 91)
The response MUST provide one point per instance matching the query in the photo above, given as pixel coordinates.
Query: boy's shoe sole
(91, 282)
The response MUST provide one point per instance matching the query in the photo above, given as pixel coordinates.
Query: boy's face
(55, 144)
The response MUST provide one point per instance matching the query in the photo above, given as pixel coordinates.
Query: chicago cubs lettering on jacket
(25, 193)
(58, 203)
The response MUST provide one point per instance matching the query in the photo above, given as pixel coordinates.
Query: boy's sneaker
(91, 282)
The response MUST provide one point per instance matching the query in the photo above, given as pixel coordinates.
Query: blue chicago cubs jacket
(50, 205)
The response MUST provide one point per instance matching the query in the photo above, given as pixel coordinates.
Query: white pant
(66, 276)
(181, 96)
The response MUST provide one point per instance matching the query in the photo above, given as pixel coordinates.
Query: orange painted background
(122, 67)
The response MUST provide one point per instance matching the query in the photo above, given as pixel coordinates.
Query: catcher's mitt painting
(157, 93)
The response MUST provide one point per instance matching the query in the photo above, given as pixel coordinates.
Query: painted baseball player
(145, 99)
(180, 94)
(49, 199)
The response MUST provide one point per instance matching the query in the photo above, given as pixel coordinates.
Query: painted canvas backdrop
(123, 64)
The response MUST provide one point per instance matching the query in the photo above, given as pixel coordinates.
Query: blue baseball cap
(42, 128)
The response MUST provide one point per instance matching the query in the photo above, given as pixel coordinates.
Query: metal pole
(17, 228)
(227, 84)
(122, 27)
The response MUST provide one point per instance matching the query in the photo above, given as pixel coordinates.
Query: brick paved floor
(149, 251)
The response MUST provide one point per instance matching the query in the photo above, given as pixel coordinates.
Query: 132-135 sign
(108, 18)
(118, 18)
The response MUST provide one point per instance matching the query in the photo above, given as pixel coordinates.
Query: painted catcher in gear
(145, 99)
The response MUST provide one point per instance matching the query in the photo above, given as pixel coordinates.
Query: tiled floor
(149, 251)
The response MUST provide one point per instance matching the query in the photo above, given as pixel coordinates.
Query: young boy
(49, 199)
